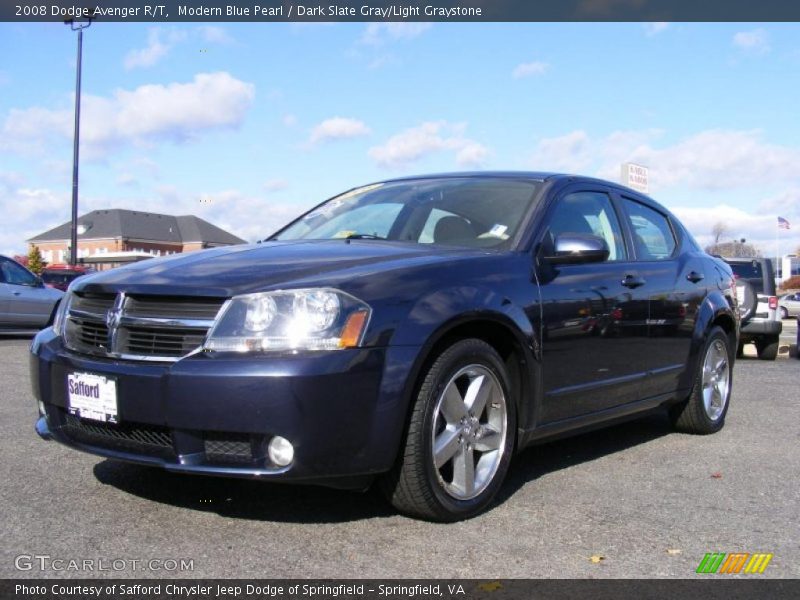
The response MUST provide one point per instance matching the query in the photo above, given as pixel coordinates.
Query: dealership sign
(635, 176)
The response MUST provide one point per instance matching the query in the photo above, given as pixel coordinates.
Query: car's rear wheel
(748, 299)
(784, 312)
(705, 409)
(460, 436)
(767, 347)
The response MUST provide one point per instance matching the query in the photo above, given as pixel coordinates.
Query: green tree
(35, 261)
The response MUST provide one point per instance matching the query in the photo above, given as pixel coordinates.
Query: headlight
(61, 314)
(308, 319)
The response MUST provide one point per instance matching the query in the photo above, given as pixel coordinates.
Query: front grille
(228, 448)
(170, 307)
(148, 341)
(95, 304)
(141, 327)
(92, 334)
(150, 440)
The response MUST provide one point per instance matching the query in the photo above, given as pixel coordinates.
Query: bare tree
(718, 230)
(735, 249)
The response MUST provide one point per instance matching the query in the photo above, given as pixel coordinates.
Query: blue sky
(248, 124)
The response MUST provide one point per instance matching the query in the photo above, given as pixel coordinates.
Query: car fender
(715, 306)
(438, 314)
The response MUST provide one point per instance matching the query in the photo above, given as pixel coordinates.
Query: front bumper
(343, 411)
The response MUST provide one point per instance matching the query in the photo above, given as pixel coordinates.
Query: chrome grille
(139, 327)
(161, 342)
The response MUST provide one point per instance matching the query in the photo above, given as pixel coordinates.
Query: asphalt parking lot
(645, 502)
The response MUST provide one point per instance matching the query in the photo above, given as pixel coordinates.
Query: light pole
(78, 26)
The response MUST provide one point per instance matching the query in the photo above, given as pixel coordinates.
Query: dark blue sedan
(418, 332)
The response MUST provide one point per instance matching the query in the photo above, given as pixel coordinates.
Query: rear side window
(747, 270)
(652, 234)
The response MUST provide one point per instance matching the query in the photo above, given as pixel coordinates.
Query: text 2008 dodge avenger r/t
(418, 331)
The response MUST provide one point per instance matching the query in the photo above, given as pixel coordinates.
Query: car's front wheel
(460, 436)
(705, 409)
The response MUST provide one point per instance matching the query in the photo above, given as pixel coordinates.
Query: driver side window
(589, 213)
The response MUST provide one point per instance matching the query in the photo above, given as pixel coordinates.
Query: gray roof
(131, 224)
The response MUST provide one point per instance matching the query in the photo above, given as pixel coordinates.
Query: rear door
(594, 316)
(677, 286)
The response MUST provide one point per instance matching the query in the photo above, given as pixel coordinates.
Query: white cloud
(435, 136)
(225, 208)
(754, 42)
(213, 34)
(275, 185)
(289, 120)
(529, 69)
(377, 34)
(709, 160)
(654, 28)
(569, 153)
(176, 112)
(338, 128)
(785, 203)
(697, 165)
(472, 154)
(757, 228)
(35, 210)
(159, 43)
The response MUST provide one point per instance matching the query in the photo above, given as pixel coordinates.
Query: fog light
(280, 451)
(42, 412)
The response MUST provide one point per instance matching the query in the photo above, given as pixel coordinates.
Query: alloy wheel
(716, 380)
(469, 432)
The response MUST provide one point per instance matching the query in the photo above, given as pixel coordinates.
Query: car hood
(271, 265)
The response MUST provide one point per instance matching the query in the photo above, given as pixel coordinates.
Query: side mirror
(577, 248)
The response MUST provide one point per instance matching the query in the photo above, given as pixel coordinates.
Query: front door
(594, 316)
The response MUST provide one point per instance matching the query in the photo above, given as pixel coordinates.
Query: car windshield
(472, 212)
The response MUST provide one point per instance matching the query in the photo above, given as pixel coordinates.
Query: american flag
(783, 223)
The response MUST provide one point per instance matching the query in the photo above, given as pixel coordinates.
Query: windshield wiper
(364, 236)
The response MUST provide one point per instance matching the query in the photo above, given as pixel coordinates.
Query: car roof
(538, 176)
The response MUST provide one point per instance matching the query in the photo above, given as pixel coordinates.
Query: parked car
(418, 331)
(789, 305)
(60, 276)
(758, 305)
(26, 305)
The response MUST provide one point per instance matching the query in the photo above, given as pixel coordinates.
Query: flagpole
(778, 244)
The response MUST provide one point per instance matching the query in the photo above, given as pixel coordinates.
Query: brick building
(119, 233)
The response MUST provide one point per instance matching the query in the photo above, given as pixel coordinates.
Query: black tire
(690, 416)
(740, 350)
(767, 348)
(784, 313)
(415, 486)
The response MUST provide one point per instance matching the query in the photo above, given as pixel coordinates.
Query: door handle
(633, 281)
(16, 293)
(695, 277)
